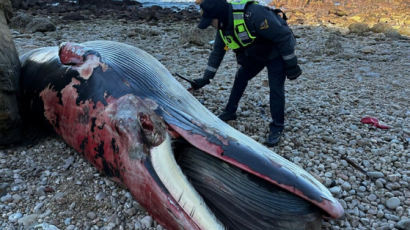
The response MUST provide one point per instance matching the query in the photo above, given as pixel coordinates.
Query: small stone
(146, 222)
(46, 226)
(15, 217)
(91, 215)
(41, 191)
(328, 174)
(100, 196)
(137, 226)
(391, 217)
(28, 220)
(68, 162)
(38, 207)
(367, 50)
(6, 198)
(380, 182)
(131, 211)
(67, 221)
(333, 166)
(375, 174)
(372, 197)
(362, 188)
(346, 186)
(393, 203)
(335, 190)
(372, 75)
(365, 221)
(16, 198)
(403, 224)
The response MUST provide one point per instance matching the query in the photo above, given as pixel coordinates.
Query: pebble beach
(346, 76)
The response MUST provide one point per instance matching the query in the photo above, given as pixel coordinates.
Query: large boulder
(10, 123)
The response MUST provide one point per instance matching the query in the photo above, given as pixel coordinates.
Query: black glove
(292, 69)
(201, 82)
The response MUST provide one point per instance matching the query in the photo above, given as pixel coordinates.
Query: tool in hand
(184, 78)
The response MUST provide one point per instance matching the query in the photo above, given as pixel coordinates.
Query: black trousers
(248, 69)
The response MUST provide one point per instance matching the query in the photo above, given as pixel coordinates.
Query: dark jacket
(273, 37)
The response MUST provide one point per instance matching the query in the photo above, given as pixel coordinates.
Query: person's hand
(199, 83)
(292, 69)
(293, 72)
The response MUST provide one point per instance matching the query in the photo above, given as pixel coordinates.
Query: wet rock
(40, 25)
(74, 16)
(393, 34)
(20, 20)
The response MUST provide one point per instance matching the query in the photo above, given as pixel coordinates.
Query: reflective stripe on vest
(243, 37)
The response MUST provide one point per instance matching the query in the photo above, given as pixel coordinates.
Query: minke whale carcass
(127, 115)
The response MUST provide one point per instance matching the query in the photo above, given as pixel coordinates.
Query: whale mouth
(217, 195)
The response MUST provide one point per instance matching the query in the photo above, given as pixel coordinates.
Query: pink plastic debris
(373, 121)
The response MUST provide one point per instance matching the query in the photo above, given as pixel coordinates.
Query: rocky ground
(347, 76)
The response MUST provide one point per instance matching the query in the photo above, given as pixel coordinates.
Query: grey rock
(403, 224)
(41, 25)
(15, 217)
(46, 226)
(28, 220)
(3, 189)
(335, 190)
(6, 198)
(138, 225)
(393, 203)
(372, 197)
(38, 207)
(91, 215)
(67, 221)
(346, 186)
(100, 196)
(146, 222)
(372, 75)
(375, 174)
(68, 162)
(362, 188)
